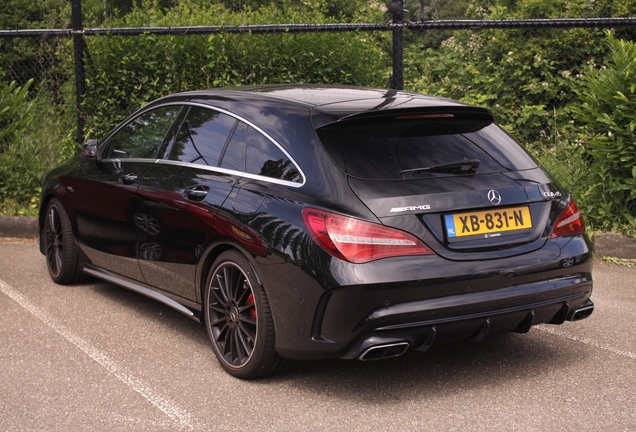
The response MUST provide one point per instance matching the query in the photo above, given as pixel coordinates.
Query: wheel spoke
(51, 252)
(223, 330)
(226, 335)
(222, 301)
(216, 322)
(58, 259)
(248, 320)
(229, 339)
(248, 331)
(238, 283)
(216, 308)
(244, 292)
(52, 223)
(247, 346)
(244, 310)
(219, 286)
(230, 275)
(227, 283)
(239, 351)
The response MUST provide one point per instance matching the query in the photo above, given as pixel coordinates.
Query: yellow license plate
(488, 223)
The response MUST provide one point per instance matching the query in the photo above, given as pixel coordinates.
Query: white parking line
(556, 331)
(183, 419)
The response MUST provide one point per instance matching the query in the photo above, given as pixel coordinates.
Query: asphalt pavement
(97, 357)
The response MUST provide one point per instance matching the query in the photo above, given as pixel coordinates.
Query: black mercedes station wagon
(315, 222)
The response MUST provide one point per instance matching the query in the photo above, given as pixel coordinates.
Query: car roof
(326, 104)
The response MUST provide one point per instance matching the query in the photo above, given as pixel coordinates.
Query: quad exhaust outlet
(583, 311)
(379, 352)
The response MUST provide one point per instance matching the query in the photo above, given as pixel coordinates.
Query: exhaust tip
(583, 311)
(384, 351)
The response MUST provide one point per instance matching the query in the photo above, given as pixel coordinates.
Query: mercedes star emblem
(494, 197)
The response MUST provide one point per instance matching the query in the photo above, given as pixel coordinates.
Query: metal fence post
(78, 49)
(397, 10)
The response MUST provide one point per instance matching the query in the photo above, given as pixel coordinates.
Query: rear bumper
(421, 335)
(415, 302)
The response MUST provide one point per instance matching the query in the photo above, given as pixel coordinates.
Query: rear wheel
(238, 319)
(62, 259)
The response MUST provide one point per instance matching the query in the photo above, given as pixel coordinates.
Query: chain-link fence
(535, 75)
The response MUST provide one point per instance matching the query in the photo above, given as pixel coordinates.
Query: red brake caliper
(250, 301)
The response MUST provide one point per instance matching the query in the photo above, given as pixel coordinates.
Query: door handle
(128, 178)
(196, 193)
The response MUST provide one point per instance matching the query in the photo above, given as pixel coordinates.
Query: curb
(604, 244)
(18, 226)
(609, 245)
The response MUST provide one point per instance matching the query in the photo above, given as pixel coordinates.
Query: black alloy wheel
(238, 319)
(59, 244)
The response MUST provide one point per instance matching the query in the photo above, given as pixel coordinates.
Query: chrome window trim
(252, 125)
(136, 160)
(272, 180)
(216, 169)
(207, 167)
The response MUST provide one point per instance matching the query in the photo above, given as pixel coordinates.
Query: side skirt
(143, 290)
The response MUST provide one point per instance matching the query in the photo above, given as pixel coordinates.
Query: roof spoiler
(323, 116)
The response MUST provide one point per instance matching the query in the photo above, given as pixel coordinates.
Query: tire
(62, 259)
(238, 319)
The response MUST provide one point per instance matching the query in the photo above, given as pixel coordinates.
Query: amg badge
(410, 208)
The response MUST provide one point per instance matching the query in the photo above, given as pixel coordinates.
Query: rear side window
(266, 159)
(413, 146)
(202, 136)
(234, 157)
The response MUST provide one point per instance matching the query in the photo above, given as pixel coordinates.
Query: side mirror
(89, 151)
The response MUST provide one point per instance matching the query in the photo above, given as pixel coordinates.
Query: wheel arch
(211, 253)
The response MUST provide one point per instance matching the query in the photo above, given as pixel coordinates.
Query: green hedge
(124, 73)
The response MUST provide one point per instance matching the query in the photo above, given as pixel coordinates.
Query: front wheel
(238, 319)
(62, 259)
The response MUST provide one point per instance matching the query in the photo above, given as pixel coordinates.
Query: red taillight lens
(358, 241)
(569, 222)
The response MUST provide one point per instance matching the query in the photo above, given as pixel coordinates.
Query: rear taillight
(358, 241)
(569, 222)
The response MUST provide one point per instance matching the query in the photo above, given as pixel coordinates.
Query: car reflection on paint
(314, 222)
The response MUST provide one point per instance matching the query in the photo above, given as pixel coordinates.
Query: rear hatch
(450, 177)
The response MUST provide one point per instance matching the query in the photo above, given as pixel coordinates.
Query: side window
(266, 159)
(202, 137)
(234, 157)
(142, 137)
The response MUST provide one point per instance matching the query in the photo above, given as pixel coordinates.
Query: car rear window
(423, 145)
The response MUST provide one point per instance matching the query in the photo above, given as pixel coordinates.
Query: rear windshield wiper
(461, 167)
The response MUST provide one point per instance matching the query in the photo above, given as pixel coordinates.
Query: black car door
(180, 197)
(106, 191)
(249, 214)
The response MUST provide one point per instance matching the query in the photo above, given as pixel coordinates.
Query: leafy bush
(14, 112)
(523, 83)
(608, 116)
(34, 137)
